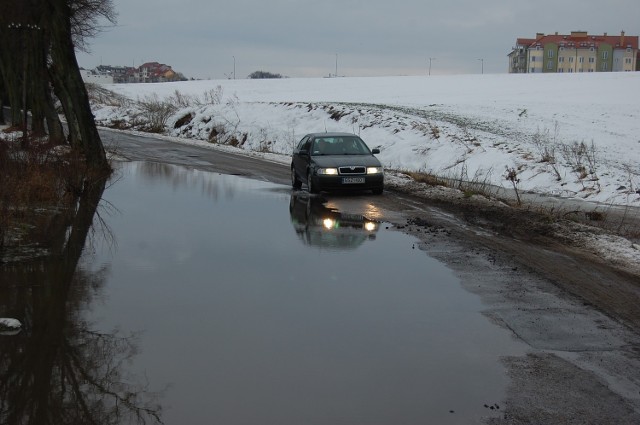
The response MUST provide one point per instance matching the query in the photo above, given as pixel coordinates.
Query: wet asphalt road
(150, 148)
(576, 315)
(156, 149)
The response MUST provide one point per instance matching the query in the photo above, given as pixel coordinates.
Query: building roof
(525, 41)
(581, 39)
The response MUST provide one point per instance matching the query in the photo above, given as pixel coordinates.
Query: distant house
(91, 76)
(120, 74)
(150, 72)
(154, 72)
(577, 52)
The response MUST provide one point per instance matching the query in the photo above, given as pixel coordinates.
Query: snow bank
(568, 135)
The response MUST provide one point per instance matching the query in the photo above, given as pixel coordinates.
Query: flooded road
(244, 303)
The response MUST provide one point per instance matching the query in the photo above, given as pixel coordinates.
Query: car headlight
(329, 223)
(370, 226)
(327, 171)
(374, 170)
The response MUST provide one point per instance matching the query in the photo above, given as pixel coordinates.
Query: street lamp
(430, 59)
(482, 65)
(234, 67)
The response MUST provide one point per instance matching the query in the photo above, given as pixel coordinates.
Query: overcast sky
(303, 38)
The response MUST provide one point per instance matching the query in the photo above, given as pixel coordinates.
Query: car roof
(334, 134)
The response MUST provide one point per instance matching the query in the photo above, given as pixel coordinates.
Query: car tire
(310, 186)
(295, 181)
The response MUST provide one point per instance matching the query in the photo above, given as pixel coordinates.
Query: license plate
(352, 180)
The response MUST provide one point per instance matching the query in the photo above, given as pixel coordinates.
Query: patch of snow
(615, 250)
(9, 324)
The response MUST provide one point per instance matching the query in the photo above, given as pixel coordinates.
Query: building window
(571, 59)
(550, 54)
(592, 60)
(561, 59)
(549, 65)
(581, 59)
(604, 66)
(533, 59)
(605, 55)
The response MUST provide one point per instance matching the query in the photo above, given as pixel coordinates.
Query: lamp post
(234, 67)
(481, 65)
(430, 59)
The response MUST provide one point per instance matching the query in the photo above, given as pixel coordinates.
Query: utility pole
(234, 67)
(482, 65)
(430, 59)
(336, 75)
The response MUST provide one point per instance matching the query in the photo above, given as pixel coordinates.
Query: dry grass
(34, 183)
(621, 221)
(428, 179)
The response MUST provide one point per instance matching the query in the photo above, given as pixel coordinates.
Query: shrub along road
(578, 313)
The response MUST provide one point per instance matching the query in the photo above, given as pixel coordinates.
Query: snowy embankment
(563, 134)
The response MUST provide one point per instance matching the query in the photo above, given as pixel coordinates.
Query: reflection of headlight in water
(370, 226)
(328, 223)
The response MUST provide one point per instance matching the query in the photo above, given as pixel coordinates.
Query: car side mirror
(375, 151)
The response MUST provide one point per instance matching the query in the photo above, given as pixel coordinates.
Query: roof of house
(582, 39)
(525, 41)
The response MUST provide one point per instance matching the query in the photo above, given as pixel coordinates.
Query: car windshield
(342, 145)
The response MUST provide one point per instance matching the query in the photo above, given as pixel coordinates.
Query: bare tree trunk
(54, 126)
(2, 122)
(43, 108)
(10, 70)
(33, 32)
(70, 88)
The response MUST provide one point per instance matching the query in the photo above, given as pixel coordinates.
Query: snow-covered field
(572, 135)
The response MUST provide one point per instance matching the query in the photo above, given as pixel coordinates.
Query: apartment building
(576, 52)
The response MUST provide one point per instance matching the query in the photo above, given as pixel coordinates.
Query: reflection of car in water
(320, 226)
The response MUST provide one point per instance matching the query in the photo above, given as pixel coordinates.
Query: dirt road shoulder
(577, 311)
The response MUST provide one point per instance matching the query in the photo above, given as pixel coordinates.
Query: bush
(156, 112)
(263, 75)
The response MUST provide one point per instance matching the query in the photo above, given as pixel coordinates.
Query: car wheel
(312, 187)
(377, 191)
(295, 182)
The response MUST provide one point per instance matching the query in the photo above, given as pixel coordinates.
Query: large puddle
(213, 299)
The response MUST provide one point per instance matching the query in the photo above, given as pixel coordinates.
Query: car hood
(325, 161)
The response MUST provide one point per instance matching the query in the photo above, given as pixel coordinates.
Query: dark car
(336, 161)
